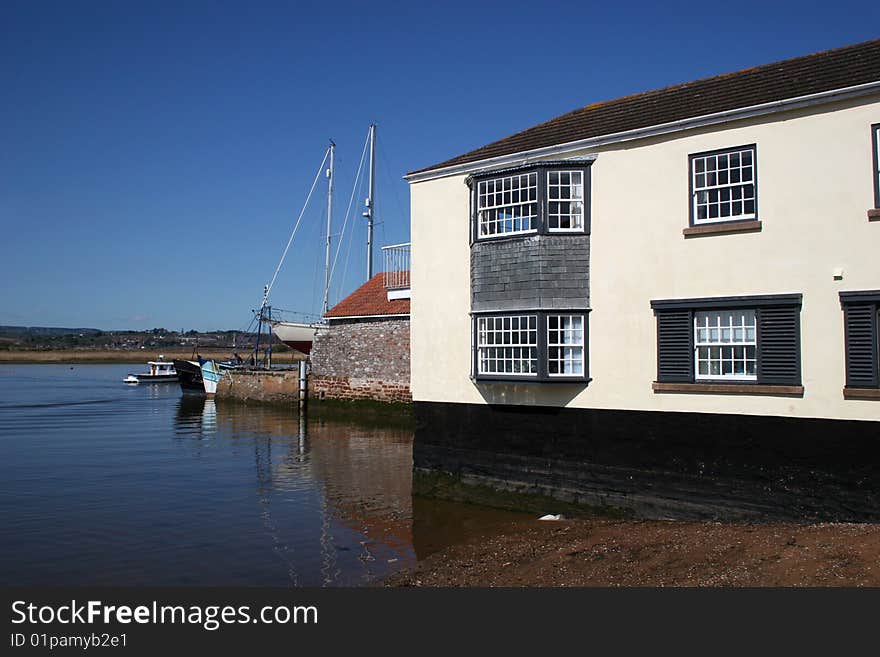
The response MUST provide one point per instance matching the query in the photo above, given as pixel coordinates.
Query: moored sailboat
(300, 335)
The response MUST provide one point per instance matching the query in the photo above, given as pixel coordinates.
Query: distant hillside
(46, 330)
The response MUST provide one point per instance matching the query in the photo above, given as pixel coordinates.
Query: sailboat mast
(371, 201)
(329, 225)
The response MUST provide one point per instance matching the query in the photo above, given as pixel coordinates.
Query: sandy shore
(110, 356)
(657, 553)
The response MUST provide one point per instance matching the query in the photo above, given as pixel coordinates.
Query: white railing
(396, 266)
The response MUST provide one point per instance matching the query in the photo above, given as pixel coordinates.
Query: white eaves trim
(524, 157)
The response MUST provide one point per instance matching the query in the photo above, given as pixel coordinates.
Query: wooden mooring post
(303, 384)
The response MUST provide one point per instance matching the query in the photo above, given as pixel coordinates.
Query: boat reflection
(196, 417)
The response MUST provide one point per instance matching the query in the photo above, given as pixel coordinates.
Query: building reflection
(339, 490)
(358, 482)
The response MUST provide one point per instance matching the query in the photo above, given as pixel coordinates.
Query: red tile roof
(369, 299)
(819, 72)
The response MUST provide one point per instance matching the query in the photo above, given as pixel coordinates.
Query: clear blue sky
(154, 156)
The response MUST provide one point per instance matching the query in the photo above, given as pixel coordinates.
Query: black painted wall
(660, 464)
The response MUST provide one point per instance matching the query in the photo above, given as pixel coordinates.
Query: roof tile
(369, 299)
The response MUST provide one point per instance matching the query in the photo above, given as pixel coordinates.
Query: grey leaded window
(507, 204)
(507, 345)
(565, 345)
(724, 185)
(531, 345)
(544, 197)
(565, 201)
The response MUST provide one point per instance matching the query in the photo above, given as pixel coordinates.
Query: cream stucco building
(673, 292)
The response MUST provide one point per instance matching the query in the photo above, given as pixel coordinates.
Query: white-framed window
(723, 184)
(725, 342)
(565, 201)
(507, 345)
(565, 345)
(508, 204)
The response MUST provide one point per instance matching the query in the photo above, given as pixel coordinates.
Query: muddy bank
(657, 553)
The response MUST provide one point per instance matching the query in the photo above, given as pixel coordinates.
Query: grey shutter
(779, 345)
(860, 323)
(675, 346)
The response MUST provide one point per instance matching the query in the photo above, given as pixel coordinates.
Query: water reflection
(196, 417)
(103, 484)
(359, 479)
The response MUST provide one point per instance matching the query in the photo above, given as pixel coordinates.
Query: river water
(107, 484)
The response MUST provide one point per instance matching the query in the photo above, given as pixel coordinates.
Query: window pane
(507, 205)
(565, 345)
(725, 344)
(506, 346)
(565, 194)
(719, 181)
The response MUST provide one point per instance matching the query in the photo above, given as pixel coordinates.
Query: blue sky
(154, 156)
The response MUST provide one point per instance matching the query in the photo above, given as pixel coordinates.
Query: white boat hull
(294, 334)
(211, 374)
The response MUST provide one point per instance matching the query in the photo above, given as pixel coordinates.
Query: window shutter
(675, 350)
(779, 348)
(860, 324)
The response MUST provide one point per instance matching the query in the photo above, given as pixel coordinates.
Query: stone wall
(262, 386)
(362, 359)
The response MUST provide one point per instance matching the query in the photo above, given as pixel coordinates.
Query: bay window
(508, 345)
(565, 201)
(540, 198)
(534, 345)
(507, 205)
(565, 345)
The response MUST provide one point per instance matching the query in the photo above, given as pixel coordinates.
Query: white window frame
(576, 220)
(719, 343)
(482, 335)
(700, 183)
(563, 345)
(483, 195)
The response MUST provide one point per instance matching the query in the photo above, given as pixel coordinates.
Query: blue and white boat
(211, 373)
